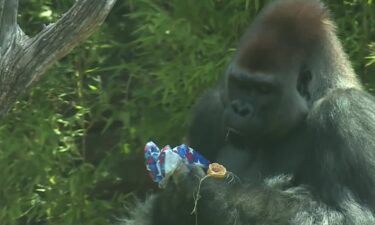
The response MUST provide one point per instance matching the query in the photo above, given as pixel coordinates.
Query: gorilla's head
(263, 103)
(266, 91)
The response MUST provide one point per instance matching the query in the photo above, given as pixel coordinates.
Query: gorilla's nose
(242, 109)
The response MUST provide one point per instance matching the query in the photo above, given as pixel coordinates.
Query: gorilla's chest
(255, 165)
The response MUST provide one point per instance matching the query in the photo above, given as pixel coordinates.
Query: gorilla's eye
(263, 89)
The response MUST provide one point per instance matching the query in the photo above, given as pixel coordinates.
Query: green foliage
(71, 149)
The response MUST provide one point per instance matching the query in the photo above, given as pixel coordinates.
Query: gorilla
(292, 123)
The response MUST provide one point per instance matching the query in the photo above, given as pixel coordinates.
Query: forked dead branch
(24, 59)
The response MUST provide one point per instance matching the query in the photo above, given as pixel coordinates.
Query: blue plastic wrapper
(161, 164)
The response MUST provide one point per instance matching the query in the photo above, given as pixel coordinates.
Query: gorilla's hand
(182, 199)
(220, 201)
(176, 201)
(186, 178)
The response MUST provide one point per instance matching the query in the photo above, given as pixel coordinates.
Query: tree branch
(8, 23)
(24, 60)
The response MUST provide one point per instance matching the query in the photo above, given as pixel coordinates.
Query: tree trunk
(23, 59)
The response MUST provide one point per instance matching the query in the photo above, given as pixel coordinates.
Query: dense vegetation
(71, 148)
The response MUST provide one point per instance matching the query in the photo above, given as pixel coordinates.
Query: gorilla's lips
(246, 128)
(232, 130)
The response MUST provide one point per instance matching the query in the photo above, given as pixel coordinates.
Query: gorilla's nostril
(242, 109)
(235, 106)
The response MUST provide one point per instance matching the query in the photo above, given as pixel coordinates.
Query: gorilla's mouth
(236, 138)
(232, 130)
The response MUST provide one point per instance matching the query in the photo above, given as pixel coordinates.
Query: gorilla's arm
(343, 124)
(267, 203)
(206, 133)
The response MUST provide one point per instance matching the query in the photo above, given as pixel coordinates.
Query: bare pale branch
(24, 60)
(8, 23)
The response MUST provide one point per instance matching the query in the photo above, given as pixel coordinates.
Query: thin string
(197, 196)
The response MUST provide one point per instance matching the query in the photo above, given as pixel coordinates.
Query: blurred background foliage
(71, 149)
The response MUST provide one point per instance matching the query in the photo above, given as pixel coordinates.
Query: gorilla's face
(263, 105)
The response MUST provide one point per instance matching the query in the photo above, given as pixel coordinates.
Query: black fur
(292, 122)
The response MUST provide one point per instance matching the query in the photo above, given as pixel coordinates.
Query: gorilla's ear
(285, 30)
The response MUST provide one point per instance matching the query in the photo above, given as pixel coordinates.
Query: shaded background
(71, 149)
